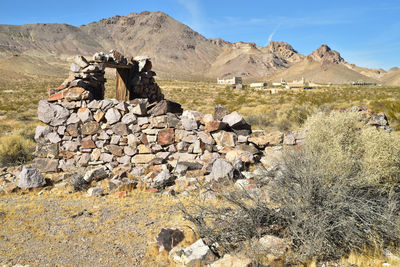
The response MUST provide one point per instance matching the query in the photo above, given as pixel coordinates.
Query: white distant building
(258, 85)
(233, 80)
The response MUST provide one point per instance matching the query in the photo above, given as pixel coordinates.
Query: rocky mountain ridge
(178, 51)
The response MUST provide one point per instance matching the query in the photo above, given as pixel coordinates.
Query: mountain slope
(324, 65)
(173, 46)
(249, 61)
(176, 50)
(392, 77)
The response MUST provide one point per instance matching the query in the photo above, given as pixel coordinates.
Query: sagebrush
(335, 194)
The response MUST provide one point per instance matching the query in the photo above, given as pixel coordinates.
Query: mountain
(250, 61)
(177, 52)
(324, 65)
(392, 77)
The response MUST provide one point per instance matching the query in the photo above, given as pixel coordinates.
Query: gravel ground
(76, 230)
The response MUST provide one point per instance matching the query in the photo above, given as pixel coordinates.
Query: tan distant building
(233, 80)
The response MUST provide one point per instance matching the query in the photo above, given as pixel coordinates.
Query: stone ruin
(86, 80)
(148, 137)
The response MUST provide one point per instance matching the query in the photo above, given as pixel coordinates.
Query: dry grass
(40, 229)
(123, 230)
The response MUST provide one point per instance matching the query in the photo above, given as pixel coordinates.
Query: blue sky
(365, 32)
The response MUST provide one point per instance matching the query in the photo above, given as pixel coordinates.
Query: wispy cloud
(193, 8)
(283, 21)
(272, 34)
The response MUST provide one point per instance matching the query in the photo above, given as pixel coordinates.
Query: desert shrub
(292, 116)
(345, 143)
(260, 119)
(335, 194)
(380, 156)
(327, 219)
(15, 149)
(240, 217)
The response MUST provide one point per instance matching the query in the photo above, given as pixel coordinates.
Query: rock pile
(86, 80)
(157, 141)
(142, 83)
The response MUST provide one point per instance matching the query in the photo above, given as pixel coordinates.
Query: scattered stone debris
(30, 177)
(197, 254)
(232, 261)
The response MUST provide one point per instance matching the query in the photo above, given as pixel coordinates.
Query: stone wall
(158, 141)
(86, 79)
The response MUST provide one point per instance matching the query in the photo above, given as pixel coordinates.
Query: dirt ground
(50, 229)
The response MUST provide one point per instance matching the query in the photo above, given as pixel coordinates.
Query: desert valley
(137, 141)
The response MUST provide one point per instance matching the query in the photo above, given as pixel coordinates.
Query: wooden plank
(121, 92)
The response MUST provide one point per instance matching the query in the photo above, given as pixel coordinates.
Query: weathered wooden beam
(112, 64)
(122, 84)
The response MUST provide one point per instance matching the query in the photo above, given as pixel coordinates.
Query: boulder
(88, 144)
(96, 174)
(213, 126)
(84, 114)
(115, 150)
(106, 157)
(166, 137)
(30, 177)
(41, 133)
(72, 130)
(53, 138)
(271, 139)
(74, 118)
(120, 129)
(46, 150)
(76, 93)
(164, 107)
(46, 165)
(232, 261)
(71, 146)
(220, 112)
(84, 160)
(142, 158)
(95, 191)
(272, 157)
(197, 254)
(221, 169)
(289, 139)
(225, 139)
(189, 124)
(162, 179)
(139, 109)
(168, 238)
(98, 116)
(52, 114)
(90, 128)
(123, 106)
(112, 116)
(129, 119)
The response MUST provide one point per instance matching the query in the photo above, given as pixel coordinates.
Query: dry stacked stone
(85, 82)
(86, 79)
(158, 140)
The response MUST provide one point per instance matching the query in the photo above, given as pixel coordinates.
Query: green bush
(15, 149)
